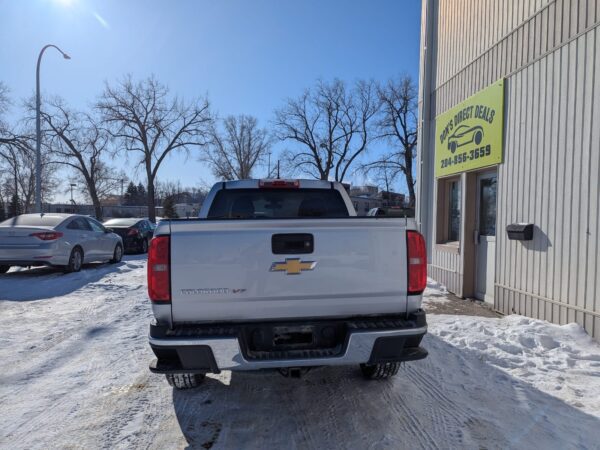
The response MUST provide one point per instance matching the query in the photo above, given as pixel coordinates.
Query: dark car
(136, 233)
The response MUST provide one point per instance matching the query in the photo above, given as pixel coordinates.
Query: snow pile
(435, 293)
(562, 361)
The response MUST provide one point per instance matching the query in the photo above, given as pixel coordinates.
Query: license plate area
(291, 337)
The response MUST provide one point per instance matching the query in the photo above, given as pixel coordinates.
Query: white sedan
(62, 240)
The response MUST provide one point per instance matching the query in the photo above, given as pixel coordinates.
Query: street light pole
(38, 130)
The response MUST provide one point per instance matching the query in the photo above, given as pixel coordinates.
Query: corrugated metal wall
(445, 268)
(549, 52)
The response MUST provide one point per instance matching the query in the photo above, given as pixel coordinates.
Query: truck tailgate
(227, 270)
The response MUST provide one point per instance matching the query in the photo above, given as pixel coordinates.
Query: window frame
(92, 222)
(444, 211)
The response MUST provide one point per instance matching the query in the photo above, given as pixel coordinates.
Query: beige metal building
(543, 56)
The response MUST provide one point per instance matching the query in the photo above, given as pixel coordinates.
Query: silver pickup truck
(281, 274)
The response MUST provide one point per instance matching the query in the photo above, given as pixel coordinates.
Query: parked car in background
(156, 221)
(135, 232)
(60, 240)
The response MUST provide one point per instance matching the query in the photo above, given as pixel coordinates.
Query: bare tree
(5, 140)
(4, 99)
(11, 159)
(383, 174)
(397, 125)
(234, 151)
(6, 135)
(148, 122)
(108, 181)
(165, 189)
(331, 125)
(78, 142)
(19, 157)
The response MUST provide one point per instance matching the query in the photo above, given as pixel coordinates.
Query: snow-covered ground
(74, 374)
(435, 293)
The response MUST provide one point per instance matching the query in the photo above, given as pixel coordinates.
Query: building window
(449, 211)
(454, 211)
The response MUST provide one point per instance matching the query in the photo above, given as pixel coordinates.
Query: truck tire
(379, 371)
(185, 380)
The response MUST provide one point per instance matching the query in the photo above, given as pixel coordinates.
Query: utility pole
(72, 186)
(122, 181)
(38, 129)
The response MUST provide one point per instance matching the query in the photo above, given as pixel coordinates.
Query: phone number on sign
(480, 152)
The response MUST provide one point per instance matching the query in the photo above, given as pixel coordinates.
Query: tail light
(417, 262)
(47, 235)
(159, 259)
(133, 232)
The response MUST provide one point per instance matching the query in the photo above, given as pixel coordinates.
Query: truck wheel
(379, 371)
(185, 380)
(4, 269)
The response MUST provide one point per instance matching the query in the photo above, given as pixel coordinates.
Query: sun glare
(64, 2)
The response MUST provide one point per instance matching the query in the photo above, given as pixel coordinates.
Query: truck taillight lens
(417, 262)
(132, 232)
(159, 283)
(48, 235)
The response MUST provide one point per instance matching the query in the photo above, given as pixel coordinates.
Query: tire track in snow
(409, 421)
(446, 416)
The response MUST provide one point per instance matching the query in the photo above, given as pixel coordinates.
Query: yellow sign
(469, 136)
(293, 266)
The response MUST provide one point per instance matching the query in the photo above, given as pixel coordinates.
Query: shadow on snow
(48, 282)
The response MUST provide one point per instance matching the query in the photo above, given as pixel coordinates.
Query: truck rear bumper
(211, 349)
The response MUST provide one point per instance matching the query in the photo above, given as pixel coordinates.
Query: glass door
(485, 236)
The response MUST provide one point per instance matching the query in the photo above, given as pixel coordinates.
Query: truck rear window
(277, 203)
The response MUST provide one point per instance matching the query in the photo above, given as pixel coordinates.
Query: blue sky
(246, 55)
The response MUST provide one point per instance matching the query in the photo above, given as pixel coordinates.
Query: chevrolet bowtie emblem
(293, 266)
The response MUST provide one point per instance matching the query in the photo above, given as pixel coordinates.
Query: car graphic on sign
(464, 135)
